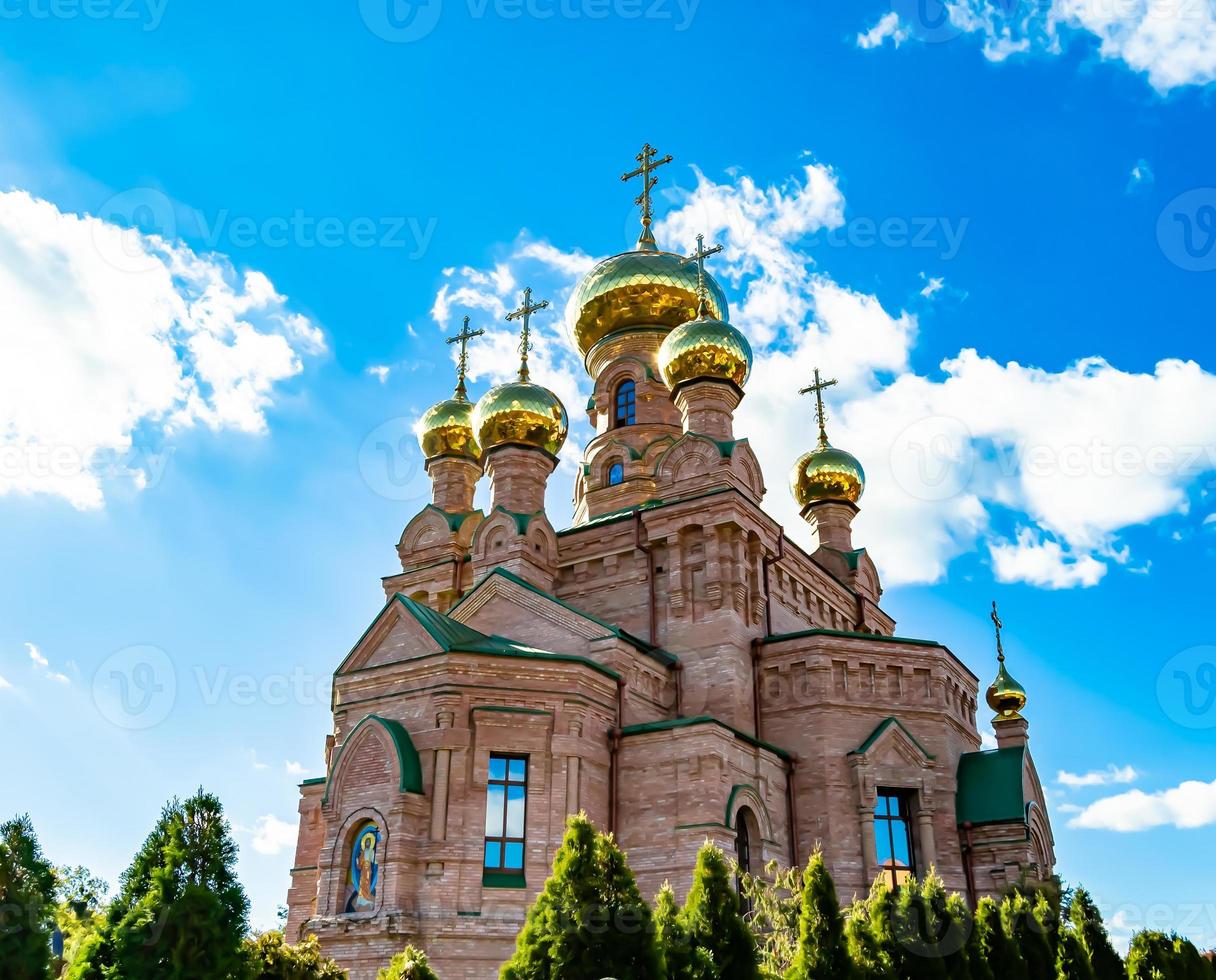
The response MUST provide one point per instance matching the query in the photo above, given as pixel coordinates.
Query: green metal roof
(656, 653)
(407, 756)
(668, 724)
(990, 786)
(864, 747)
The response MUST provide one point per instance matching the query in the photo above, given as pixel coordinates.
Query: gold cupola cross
(699, 256)
(525, 311)
(647, 165)
(997, 625)
(818, 388)
(462, 365)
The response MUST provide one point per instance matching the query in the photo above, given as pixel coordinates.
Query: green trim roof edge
(881, 727)
(407, 756)
(645, 728)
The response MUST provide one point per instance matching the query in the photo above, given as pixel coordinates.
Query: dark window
(893, 835)
(743, 853)
(616, 474)
(626, 404)
(506, 813)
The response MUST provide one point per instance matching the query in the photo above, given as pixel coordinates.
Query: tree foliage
(775, 900)
(270, 957)
(822, 954)
(1086, 920)
(409, 964)
(27, 902)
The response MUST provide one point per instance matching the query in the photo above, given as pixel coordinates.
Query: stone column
(518, 477)
(453, 482)
(707, 408)
(833, 519)
(869, 850)
(439, 788)
(1011, 730)
(928, 844)
(572, 772)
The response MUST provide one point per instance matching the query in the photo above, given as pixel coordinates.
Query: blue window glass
(893, 836)
(616, 474)
(625, 404)
(506, 813)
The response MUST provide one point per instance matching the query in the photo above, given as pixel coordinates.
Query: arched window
(364, 873)
(743, 852)
(625, 404)
(616, 474)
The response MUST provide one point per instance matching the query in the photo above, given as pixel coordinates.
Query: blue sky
(994, 223)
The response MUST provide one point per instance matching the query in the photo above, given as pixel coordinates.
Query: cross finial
(822, 416)
(525, 311)
(700, 255)
(462, 365)
(997, 624)
(648, 164)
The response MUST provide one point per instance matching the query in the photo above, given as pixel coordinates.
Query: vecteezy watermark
(1186, 687)
(221, 685)
(1186, 230)
(389, 461)
(933, 458)
(35, 463)
(147, 13)
(131, 215)
(404, 21)
(135, 687)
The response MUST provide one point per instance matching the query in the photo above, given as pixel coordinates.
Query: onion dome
(827, 473)
(705, 348)
(523, 414)
(644, 289)
(1006, 696)
(446, 429)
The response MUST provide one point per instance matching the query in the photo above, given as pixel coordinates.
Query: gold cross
(996, 622)
(524, 313)
(648, 164)
(818, 387)
(462, 365)
(700, 255)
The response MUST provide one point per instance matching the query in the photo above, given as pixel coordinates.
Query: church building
(672, 663)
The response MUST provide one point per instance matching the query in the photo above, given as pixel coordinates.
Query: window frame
(503, 840)
(616, 466)
(630, 416)
(884, 823)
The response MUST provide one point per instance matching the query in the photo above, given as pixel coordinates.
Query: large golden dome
(827, 473)
(642, 288)
(705, 348)
(520, 413)
(446, 429)
(1006, 696)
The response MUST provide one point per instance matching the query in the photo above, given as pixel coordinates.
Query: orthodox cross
(648, 165)
(818, 387)
(996, 622)
(462, 365)
(524, 313)
(700, 255)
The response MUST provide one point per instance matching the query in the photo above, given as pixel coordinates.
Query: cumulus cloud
(294, 768)
(1038, 470)
(1098, 777)
(43, 665)
(933, 285)
(1172, 43)
(113, 340)
(1186, 806)
(380, 372)
(270, 835)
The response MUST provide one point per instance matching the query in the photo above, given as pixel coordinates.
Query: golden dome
(642, 288)
(520, 413)
(446, 429)
(827, 473)
(1006, 696)
(705, 348)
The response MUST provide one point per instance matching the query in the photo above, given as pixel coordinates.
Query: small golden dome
(644, 288)
(1006, 696)
(705, 348)
(827, 473)
(520, 413)
(446, 429)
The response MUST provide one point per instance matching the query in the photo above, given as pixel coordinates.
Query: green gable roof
(990, 786)
(407, 756)
(864, 747)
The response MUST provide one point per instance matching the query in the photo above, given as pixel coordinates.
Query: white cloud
(4, 684)
(272, 835)
(112, 340)
(1186, 806)
(380, 372)
(933, 285)
(888, 26)
(1141, 176)
(294, 768)
(1098, 777)
(1173, 43)
(1043, 563)
(43, 666)
(253, 760)
(987, 739)
(36, 656)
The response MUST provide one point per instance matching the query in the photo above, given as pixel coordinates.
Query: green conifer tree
(867, 933)
(916, 929)
(181, 913)
(27, 902)
(1087, 921)
(722, 944)
(958, 928)
(978, 940)
(1003, 955)
(822, 954)
(270, 957)
(1072, 960)
(1029, 933)
(672, 939)
(409, 964)
(1152, 957)
(590, 920)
